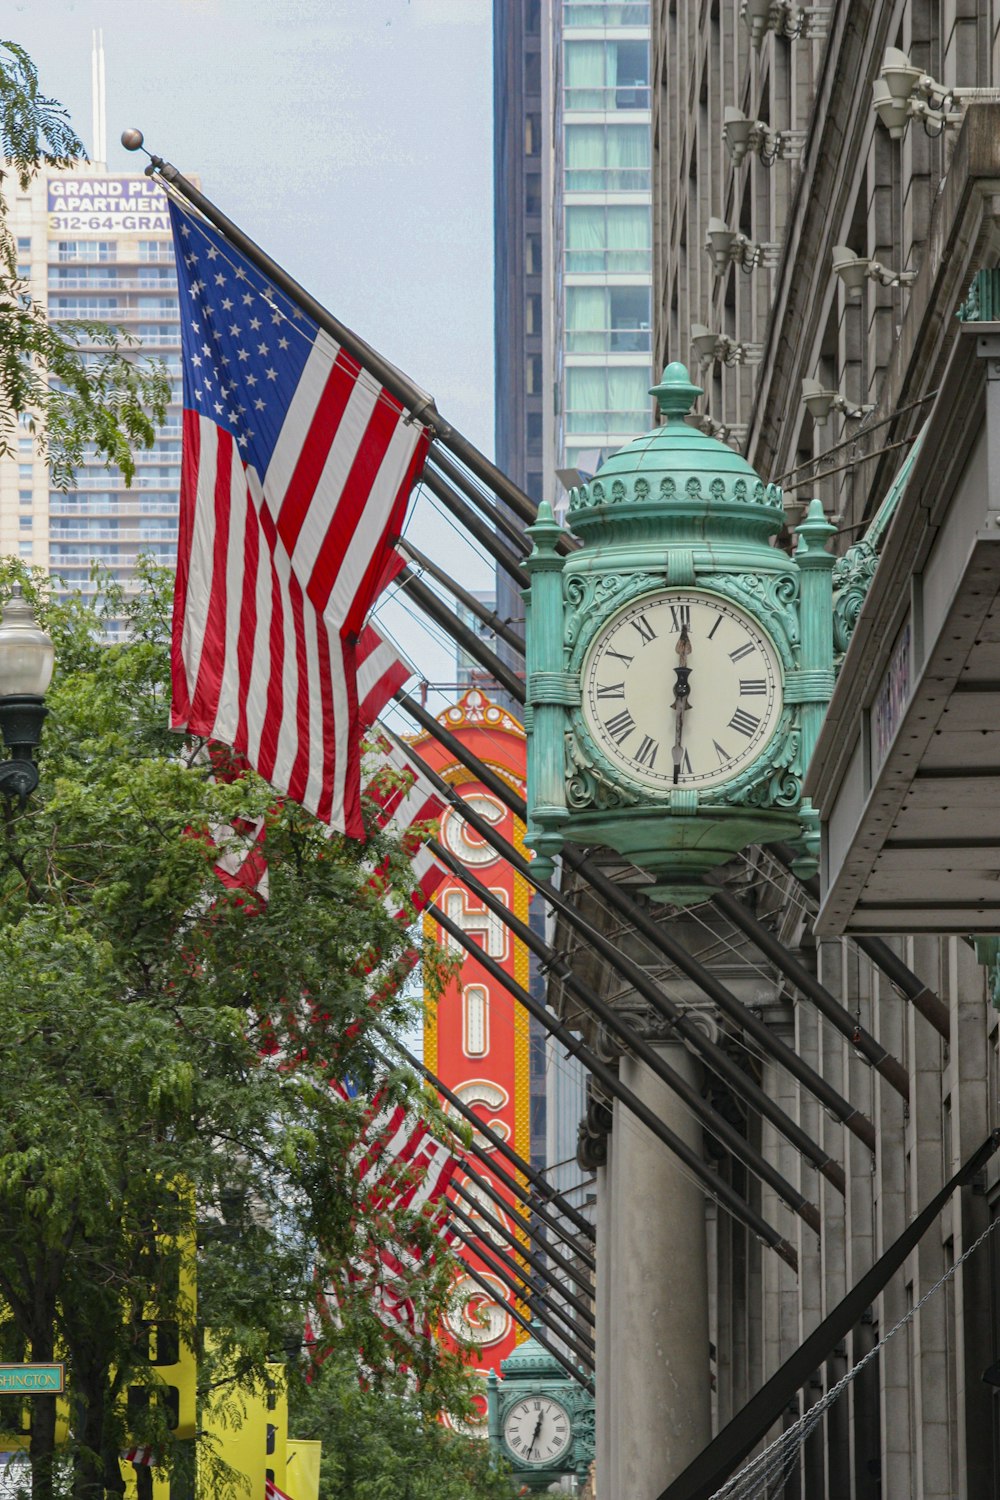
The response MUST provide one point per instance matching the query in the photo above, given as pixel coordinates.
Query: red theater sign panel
(475, 1036)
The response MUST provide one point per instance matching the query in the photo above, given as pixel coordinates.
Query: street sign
(32, 1380)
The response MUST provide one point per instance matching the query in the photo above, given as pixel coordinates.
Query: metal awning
(906, 773)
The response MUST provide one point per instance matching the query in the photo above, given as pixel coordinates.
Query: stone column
(603, 1282)
(660, 1400)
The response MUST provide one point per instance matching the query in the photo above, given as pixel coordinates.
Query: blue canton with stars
(245, 344)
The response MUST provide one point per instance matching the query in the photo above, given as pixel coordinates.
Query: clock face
(537, 1430)
(681, 688)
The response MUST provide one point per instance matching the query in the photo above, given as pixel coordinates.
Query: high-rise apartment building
(96, 245)
(597, 109)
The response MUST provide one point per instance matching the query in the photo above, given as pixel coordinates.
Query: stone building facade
(693, 1313)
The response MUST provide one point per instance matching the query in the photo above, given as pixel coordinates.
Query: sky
(353, 140)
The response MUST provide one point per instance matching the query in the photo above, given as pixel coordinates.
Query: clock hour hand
(534, 1435)
(682, 699)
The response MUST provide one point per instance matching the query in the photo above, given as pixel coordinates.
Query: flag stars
(277, 316)
(195, 326)
(255, 324)
(251, 380)
(234, 329)
(282, 343)
(242, 440)
(263, 349)
(213, 254)
(219, 407)
(227, 304)
(191, 260)
(185, 231)
(241, 275)
(206, 348)
(259, 404)
(196, 360)
(242, 354)
(220, 280)
(247, 298)
(271, 374)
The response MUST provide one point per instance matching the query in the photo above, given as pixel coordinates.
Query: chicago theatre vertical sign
(475, 1037)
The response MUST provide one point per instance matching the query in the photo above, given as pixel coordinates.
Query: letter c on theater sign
(464, 842)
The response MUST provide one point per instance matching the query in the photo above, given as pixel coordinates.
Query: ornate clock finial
(675, 392)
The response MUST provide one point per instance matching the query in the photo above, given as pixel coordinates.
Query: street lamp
(26, 661)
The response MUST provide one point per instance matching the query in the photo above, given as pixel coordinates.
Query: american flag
(402, 1168)
(296, 470)
(406, 803)
(380, 675)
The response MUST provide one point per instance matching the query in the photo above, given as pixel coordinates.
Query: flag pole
(499, 1265)
(550, 1250)
(529, 1328)
(716, 1187)
(411, 396)
(517, 1248)
(710, 1052)
(632, 1040)
(675, 953)
(552, 1195)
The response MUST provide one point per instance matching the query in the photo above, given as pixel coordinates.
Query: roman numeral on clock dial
(662, 718)
(621, 726)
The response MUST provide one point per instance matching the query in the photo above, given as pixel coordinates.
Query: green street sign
(32, 1380)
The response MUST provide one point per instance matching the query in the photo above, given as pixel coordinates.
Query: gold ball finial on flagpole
(132, 139)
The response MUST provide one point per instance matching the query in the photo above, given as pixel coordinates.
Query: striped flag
(296, 470)
(380, 675)
(406, 803)
(402, 1168)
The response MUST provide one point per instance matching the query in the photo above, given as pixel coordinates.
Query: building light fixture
(902, 93)
(733, 433)
(855, 270)
(727, 245)
(711, 346)
(742, 135)
(784, 19)
(819, 402)
(26, 662)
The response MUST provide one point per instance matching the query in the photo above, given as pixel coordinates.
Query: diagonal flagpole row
(629, 909)
(714, 1056)
(495, 1224)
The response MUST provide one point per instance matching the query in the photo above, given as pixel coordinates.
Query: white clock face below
(537, 1430)
(630, 701)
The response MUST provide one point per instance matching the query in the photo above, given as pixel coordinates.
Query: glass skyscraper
(601, 247)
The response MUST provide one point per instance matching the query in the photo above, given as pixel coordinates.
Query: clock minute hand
(534, 1435)
(682, 701)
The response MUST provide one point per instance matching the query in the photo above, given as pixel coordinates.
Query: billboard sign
(107, 205)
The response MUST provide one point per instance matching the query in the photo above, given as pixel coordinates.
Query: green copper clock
(679, 662)
(537, 1430)
(681, 688)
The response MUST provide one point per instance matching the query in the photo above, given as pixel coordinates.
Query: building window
(533, 254)
(607, 75)
(611, 239)
(532, 135)
(26, 497)
(533, 374)
(603, 399)
(26, 550)
(606, 13)
(152, 250)
(24, 244)
(26, 522)
(532, 193)
(87, 250)
(25, 471)
(607, 158)
(602, 320)
(475, 1020)
(533, 313)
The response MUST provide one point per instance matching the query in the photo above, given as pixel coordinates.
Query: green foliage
(390, 1446)
(136, 995)
(78, 385)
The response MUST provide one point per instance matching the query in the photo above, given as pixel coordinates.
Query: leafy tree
(136, 997)
(77, 386)
(388, 1445)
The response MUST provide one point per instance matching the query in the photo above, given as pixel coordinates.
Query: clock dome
(675, 486)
